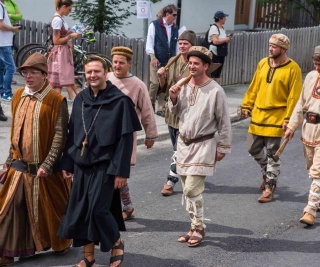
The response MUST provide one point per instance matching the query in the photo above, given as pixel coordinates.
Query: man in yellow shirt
(270, 100)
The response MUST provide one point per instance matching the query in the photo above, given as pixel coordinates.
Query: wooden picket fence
(245, 50)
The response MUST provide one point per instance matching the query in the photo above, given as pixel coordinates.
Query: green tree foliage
(105, 16)
(311, 7)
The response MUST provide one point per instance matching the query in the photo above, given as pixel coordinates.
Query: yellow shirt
(272, 96)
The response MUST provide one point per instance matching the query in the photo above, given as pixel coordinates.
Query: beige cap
(317, 50)
(280, 40)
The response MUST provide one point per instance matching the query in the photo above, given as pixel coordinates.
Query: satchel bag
(222, 50)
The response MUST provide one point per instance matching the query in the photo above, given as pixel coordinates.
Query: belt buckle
(187, 141)
(312, 118)
(32, 168)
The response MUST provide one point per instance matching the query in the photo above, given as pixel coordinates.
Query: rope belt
(188, 141)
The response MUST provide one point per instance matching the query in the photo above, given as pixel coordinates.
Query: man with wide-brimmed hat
(168, 76)
(34, 189)
(270, 100)
(306, 113)
(202, 107)
(133, 87)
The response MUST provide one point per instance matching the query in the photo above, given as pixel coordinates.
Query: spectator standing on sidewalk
(167, 78)
(160, 46)
(133, 87)
(270, 100)
(15, 16)
(217, 35)
(307, 114)
(60, 59)
(7, 66)
(205, 135)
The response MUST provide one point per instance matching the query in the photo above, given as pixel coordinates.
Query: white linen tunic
(309, 101)
(208, 115)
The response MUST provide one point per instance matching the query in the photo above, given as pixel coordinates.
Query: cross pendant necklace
(85, 140)
(84, 143)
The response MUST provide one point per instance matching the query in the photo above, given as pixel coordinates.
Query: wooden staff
(166, 67)
(183, 81)
(277, 155)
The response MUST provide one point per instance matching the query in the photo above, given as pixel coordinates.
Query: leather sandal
(88, 263)
(118, 257)
(88, 253)
(185, 238)
(128, 214)
(196, 238)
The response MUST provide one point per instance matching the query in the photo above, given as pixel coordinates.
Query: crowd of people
(67, 176)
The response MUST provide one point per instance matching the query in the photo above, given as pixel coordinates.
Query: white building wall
(196, 14)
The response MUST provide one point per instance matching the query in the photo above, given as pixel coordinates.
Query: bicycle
(80, 54)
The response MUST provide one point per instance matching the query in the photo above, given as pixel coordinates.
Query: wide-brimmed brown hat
(36, 61)
(205, 55)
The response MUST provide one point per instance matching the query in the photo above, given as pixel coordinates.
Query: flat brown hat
(122, 51)
(36, 61)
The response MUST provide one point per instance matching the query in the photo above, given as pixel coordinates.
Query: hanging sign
(143, 10)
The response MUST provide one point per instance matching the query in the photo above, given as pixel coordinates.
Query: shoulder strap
(57, 16)
(217, 27)
(2, 10)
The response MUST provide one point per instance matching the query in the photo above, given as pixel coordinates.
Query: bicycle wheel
(79, 70)
(22, 51)
(42, 50)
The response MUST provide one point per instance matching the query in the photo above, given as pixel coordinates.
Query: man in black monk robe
(97, 155)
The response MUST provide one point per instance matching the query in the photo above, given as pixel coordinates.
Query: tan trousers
(153, 89)
(193, 186)
(312, 155)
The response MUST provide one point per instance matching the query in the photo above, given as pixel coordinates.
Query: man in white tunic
(306, 113)
(202, 108)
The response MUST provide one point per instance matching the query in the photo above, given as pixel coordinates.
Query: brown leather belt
(188, 141)
(313, 118)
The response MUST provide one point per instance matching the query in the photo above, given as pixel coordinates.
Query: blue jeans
(7, 69)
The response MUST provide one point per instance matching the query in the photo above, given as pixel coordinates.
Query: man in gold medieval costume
(35, 194)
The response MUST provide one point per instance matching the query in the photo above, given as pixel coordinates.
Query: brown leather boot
(167, 190)
(307, 218)
(267, 195)
(264, 183)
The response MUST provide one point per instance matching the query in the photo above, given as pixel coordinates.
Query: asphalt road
(240, 231)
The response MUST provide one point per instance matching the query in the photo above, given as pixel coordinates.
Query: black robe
(94, 209)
